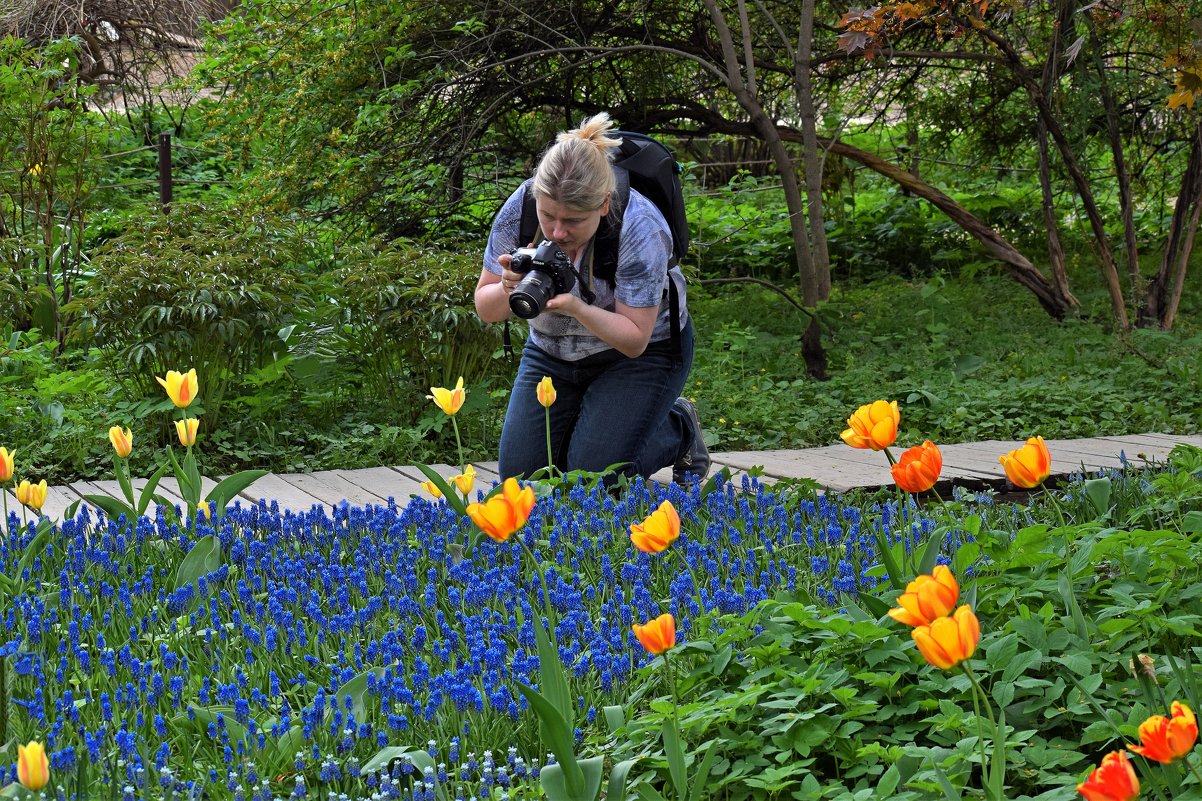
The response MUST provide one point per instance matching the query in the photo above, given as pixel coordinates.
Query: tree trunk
(1072, 164)
(1170, 312)
(1157, 302)
(813, 160)
(1020, 268)
(1051, 79)
(743, 89)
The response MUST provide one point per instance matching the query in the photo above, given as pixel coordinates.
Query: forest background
(984, 210)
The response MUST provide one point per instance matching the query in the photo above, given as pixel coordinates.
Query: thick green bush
(209, 288)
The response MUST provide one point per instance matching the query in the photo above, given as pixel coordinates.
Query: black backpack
(647, 165)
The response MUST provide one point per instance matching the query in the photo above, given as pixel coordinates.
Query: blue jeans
(609, 408)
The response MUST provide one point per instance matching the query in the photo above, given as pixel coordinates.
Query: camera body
(547, 271)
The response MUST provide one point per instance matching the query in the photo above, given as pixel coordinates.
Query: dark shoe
(694, 465)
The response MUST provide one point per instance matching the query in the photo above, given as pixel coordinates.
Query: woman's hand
(566, 303)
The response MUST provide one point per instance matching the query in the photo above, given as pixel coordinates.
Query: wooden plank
(484, 476)
(289, 497)
(332, 488)
(58, 498)
(384, 482)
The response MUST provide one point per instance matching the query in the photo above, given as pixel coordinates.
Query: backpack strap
(609, 232)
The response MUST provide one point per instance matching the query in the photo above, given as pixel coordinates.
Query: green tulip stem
(1059, 512)
(1189, 765)
(4, 698)
(889, 456)
(458, 443)
(550, 461)
(682, 792)
(978, 690)
(4, 495)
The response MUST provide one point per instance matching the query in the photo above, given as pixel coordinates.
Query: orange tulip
(123, 441)
(658, 530)
(1113, 780)
(873, 425)
(948, 641)
(7, 464)
(181, 387)
(501, 515)
(186, 429)
(33, 769)
(657, 635)
(1168, 739)
(465, 480)
(1028, 466)
(449, 400)
(927, 598)
(32, 495)
(430, 487)
(918, 468)
(546, 392)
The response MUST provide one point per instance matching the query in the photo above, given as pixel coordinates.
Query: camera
(547, 271)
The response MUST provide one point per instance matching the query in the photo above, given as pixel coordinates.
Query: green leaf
(711, 484)
(930, 553)
(1065, 585)
(204, 715)
(647, 793)
(34, 549)
(152, 484)
(552, 679)
(891, 567)
(558, 736)
(113, 507)
(121, 468)
(420, 759)
(950, 793)
(674, 752)
(1191, 523)
(230, 486)
(451, 496)
(616, 790)
(701, 779)
(356, 688)
(204, 558)
(997, 773)
(554, 781)
(1098, 492)
(874, 605)
(615, 717)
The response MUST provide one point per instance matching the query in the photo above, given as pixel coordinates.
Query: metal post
(165, 172)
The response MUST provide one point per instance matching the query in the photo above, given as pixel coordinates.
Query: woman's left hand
(565, 303)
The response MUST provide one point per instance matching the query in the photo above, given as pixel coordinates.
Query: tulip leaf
(553, 780)
(1098, 492)
(113, 507)
(674, 752)
(557, 736)
(615, 717)
(231, 486)
(886, 555)
(152, 484)
(383, 759)
(122, 471)
(648, 793)
(204, 558)
(1065, 585)
(282, 752)
(930, 552)
(950, 793)
(41, 536)
(182, 478)
(15, 790)
(873, 605)
(712, 483)
(997, 770)
(202, 716)
(356, 688)
(701, 779)
(552, 680)
(451, 496)
(616, 791)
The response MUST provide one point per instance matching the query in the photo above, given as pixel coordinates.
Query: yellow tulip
(7, 464)
(465, 480)
(1028, 466)
(658, 530)
(873, 425)
(948, 641)
(186, 429)
(501, 515)
(123, 441)
(927, 598)
(32, 495)
(449, 400)
(33, 769)
(181, 387)
(657, 635)
(546, 392)
(430, 487)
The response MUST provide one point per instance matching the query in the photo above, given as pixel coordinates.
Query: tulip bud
(186, 429)
(33, 769)
(7, 464)
(123, 441)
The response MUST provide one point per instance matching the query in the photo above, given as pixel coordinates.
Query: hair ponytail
(577, 170)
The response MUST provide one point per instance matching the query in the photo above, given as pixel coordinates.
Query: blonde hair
(577, 170)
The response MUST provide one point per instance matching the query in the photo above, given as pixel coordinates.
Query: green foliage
(203, 288)
(840, 705)
(410, 321)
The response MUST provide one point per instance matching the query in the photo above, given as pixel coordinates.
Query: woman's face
(567, 227)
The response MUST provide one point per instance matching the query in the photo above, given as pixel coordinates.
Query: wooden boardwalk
(837, 468)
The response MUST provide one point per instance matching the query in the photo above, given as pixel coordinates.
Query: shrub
(203, 287)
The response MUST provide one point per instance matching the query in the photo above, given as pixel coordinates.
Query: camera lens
(531, 294)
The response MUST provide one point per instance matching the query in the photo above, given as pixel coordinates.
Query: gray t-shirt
(644, 250)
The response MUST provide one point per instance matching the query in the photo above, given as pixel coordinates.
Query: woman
(616, 372)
